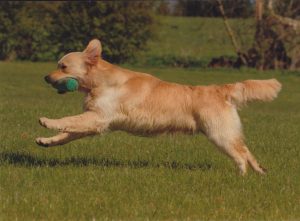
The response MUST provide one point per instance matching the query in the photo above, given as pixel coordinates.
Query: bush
(209, 8)
(46, 30)
(8, 18)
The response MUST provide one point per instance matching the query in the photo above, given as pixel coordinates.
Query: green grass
(120, 176)
(197, 39)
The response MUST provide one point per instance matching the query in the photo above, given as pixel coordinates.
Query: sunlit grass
(120, 176)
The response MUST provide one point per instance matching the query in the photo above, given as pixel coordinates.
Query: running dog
(139, 103)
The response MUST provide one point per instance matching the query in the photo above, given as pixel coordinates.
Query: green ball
(66, 84)
(71, 84)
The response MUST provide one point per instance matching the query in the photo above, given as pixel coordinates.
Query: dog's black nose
(47, 79)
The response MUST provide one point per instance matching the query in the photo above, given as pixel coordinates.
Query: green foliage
(8, 19)
(27, 31)
(47, 30)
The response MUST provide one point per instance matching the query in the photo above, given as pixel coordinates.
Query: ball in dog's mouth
(66, 85)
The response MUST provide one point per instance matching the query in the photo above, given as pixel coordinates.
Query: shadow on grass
(26, 160)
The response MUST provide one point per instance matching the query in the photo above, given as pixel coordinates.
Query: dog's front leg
(88, 122)
(59, 139)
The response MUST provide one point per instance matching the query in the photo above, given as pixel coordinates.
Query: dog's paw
(49, 123)
(44, 121)
(44, 142)
(263, 170)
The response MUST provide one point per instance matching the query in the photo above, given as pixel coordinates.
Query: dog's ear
(93, 51)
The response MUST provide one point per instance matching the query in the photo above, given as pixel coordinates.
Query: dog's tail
(253, 90)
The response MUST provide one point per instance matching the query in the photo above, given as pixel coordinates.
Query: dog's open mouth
(66, 85)
(61, 92)
(58, 88)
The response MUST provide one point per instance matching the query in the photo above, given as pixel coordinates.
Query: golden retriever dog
(139, 103)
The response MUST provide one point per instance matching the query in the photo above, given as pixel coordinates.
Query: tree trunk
(231, 34)
(293, 23)
(259, 8)
(295, 26)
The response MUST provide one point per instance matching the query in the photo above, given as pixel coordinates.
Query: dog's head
(77, 65)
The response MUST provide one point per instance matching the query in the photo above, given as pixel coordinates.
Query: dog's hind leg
(225, 131)
(233, 150)
(253, 163)
(88, 122)
(59, 139)
(244, 152)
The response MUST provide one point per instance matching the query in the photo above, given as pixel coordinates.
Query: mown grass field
(120, 176)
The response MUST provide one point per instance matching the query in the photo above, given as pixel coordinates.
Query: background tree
(277, 35)
(46, 30)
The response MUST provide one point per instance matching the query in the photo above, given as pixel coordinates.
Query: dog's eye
(63, 66)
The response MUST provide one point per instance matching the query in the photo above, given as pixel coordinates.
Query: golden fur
(120, 99)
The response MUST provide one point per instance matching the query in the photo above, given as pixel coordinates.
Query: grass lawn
(196, 38)
(120, 176)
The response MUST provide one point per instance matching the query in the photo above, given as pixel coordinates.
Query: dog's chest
(108, 101)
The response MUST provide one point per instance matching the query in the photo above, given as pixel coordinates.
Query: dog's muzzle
(47, 79)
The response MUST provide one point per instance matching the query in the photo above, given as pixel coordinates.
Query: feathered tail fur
(253, 90)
